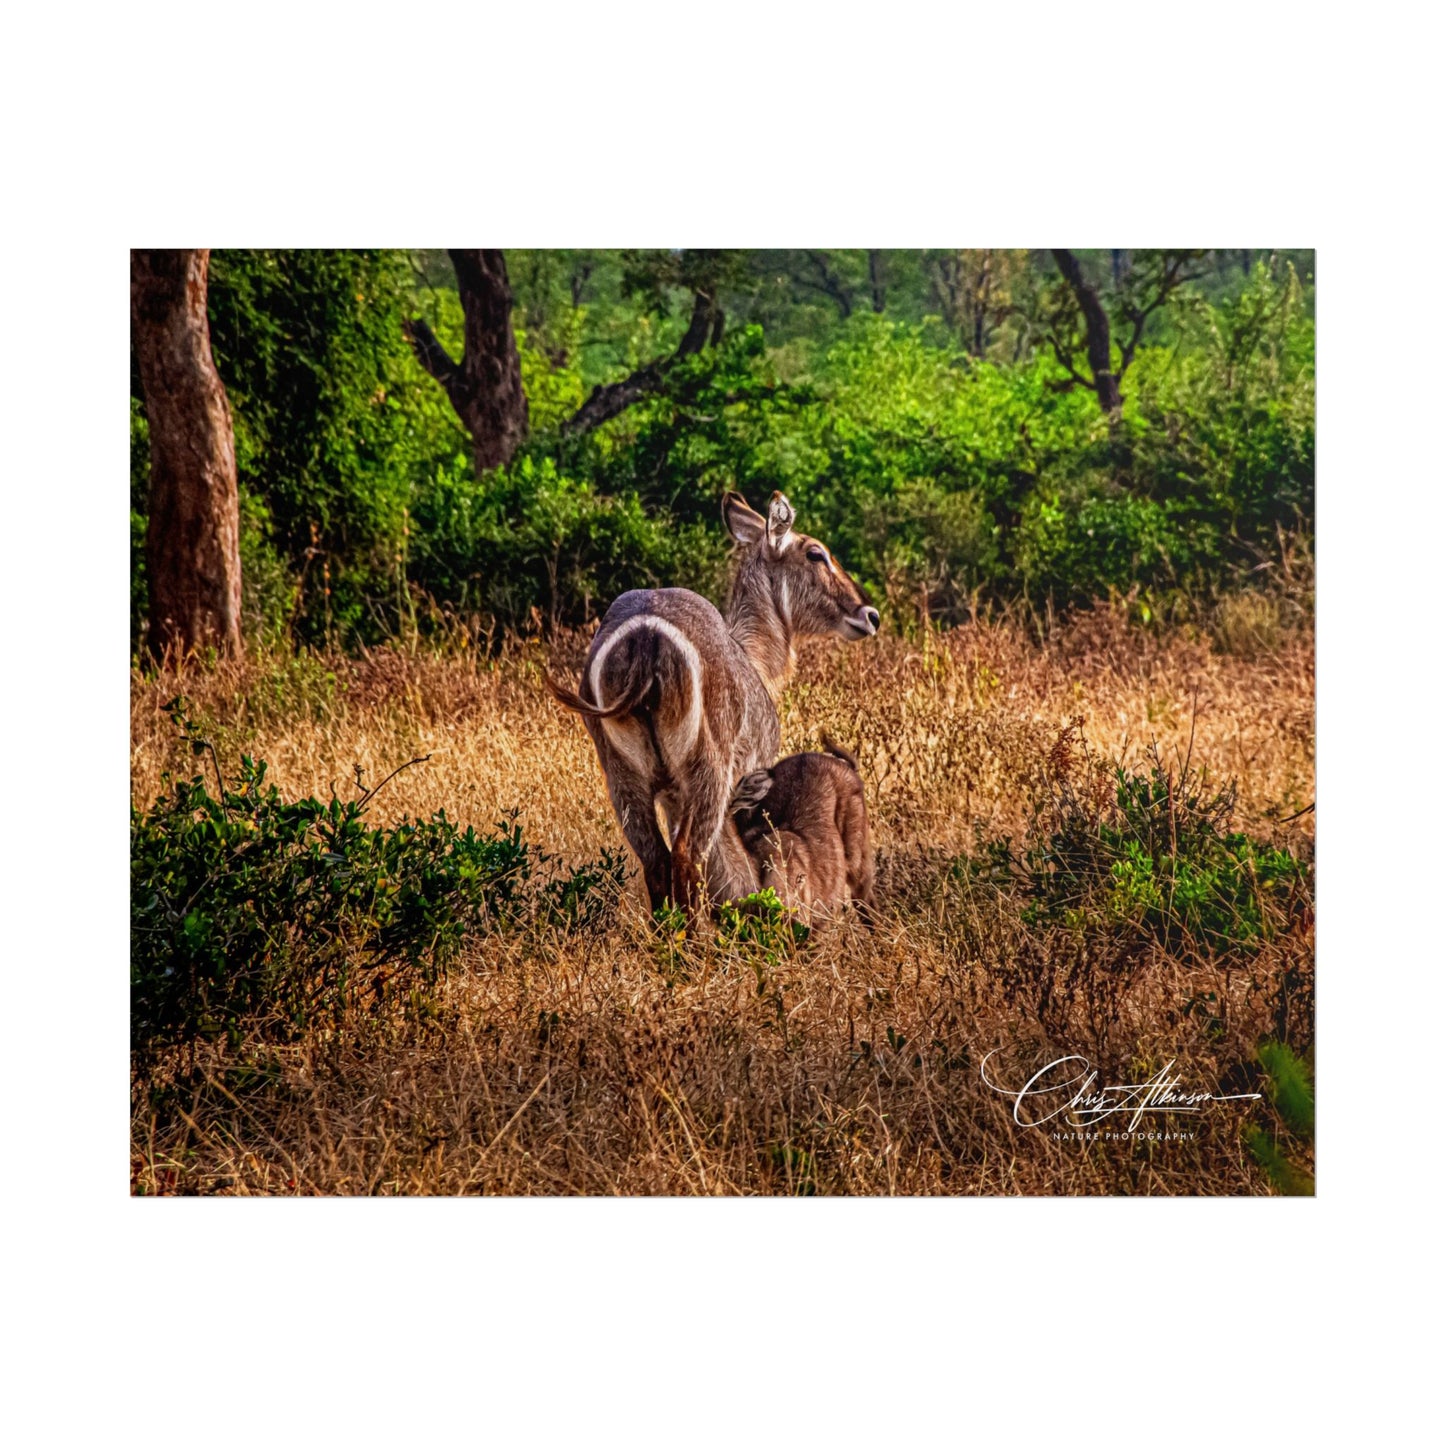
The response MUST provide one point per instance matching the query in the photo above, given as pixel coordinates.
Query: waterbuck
(680, 703)
(804, 824)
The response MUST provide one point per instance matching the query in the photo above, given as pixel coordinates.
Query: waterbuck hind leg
(632, 802)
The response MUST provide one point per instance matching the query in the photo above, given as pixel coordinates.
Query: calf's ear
(752, 788)
(746, 526)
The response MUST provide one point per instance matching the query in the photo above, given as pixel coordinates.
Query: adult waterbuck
(680, 702)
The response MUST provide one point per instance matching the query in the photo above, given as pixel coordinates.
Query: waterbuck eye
(817, 554)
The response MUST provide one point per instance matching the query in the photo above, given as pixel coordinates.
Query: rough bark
(193, 561)
(485, 386)
(1096, 334)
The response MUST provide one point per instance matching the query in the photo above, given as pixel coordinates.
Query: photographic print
(722, 722)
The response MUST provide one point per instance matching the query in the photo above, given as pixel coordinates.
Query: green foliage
(941, 479)
(1150, 855)
(761, 927)
(251, 915)
(334, 423)
(1290, 1086)
(1285, 1175)
(531, 536)
(757, 931)
(271, 592)
(552, 375)
(586, 897)
(946, 473)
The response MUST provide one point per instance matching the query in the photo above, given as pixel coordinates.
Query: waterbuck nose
(871, 613)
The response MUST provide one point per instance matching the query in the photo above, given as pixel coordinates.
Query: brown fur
(805, 824)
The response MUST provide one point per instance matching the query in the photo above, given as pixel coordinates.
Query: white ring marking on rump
(677, 742)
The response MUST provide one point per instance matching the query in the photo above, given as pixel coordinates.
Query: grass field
(623, 1060)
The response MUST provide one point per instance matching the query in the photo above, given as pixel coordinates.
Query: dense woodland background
(463, 443)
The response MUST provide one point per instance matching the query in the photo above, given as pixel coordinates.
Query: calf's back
(805, 823)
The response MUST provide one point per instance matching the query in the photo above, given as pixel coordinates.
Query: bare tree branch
(1171, 279)
(1076, 377)
(612, 399)
(430, 352)
(877, 281)
(828, 283)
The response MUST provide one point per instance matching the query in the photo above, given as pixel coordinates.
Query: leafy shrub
(1290, 1087)
(760, 926)
(253, 914)
(932, 547)
(270, 591)
(1150, 854)
(334, 421)
(1101, 540)
(941, 479)
(531, 536)
(757, 930)
(587, 895)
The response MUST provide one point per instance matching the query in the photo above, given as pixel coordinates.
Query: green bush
(585, 897)
(251, 915)
(942, 479)
(531, 536)
(335, 424)
(1289, 1086)
(761, 927)
(1149, 855)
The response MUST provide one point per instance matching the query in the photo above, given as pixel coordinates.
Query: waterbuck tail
(633, 694)
(829, 746)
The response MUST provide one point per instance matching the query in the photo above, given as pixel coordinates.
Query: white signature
(1069, 1088)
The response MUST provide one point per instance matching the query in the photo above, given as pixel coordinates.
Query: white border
(762, 124)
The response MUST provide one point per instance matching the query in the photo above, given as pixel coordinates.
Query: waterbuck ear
(780, 521)
(744, 523)
(750, 791)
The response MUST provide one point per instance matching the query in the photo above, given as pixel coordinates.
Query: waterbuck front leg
(702, 821)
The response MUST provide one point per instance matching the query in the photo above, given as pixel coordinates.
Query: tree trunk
(877, 282)
(485, 386)
(193, 560)
(1096, 332)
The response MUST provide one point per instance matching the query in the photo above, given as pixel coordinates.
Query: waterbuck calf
(680, 700)
(805, 825)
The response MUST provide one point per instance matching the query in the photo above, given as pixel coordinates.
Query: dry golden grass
(606, 1063)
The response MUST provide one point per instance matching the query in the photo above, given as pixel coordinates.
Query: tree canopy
(434, 440)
